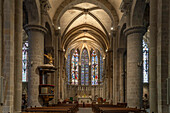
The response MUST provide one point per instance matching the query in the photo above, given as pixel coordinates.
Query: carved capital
(125, 6)
(45, 6)
(135, 29)
(31, 27)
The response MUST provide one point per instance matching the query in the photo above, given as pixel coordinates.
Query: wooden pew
(95, 107)
(59, 108)
(120, 110)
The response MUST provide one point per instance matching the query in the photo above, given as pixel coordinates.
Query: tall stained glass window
(24, 61)
(145, 62)
(94, 69)
(74, 67)
(101, 67)
(84, 67)
(68, 68)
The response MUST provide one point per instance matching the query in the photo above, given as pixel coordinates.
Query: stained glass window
(145, 62)
(101, 67)
(84, 67)
(68, 68)
(74, 67)
(94, 69)
(24, 61)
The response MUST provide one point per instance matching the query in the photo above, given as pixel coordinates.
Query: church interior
(84, 56)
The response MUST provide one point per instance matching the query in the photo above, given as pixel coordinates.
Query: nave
(60, 54)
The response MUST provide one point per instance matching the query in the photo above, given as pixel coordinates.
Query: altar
(85, 100)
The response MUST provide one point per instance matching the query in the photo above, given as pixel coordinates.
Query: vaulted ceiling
(85, 23)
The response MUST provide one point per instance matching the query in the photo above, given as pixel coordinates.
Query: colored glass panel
(84, 67)
(74, 68)
(24, 61)
(94, 69)
(145, 62)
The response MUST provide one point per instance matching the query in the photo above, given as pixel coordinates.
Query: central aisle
(85, 110)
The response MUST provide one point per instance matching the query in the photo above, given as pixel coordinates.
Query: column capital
(135, 29)
(125, 6)
(32, 27)
(45, 6)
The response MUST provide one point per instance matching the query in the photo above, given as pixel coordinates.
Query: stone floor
(85, 110)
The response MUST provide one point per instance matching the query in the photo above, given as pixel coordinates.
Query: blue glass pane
(24, 61)
(94, 68)
(84, 67)
(145, 62)
(75, 68)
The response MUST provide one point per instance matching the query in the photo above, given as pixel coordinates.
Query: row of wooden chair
(58, 108)
(119, 108)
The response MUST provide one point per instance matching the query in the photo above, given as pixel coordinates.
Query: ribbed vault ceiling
(84, 25)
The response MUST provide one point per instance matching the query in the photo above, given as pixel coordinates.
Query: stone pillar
(111, 74)
(59, 73)
(35, 58)
(1, 6)
(8, 55)
(108, 77)
(98, 88)
(18, 56)
(1, 16)
(134, 65)
(56, 65)
(153, 57)
(121, 75)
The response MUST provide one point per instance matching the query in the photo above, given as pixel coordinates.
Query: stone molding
(125, 6)
(45, 6)
(135, 29)
(31, 27)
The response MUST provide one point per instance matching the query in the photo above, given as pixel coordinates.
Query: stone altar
(85, 100)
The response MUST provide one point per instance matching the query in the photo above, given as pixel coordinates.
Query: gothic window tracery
(75, 68)
(84, 67)
(94, 68)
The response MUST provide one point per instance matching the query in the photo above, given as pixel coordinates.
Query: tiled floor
(85, 110)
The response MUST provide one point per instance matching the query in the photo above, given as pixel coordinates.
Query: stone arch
(137, 12)
(110, 10)
(33, 11)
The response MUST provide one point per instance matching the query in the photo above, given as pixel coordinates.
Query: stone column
(121, 75)
(35, 58)
(108, 77)
(56, 65)
(8, 55)
(111, 73)
(98, 91)
(1, 6)
(153, 57)
(59, 73)
(1, 16)
(18, 56)
(134, 65)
